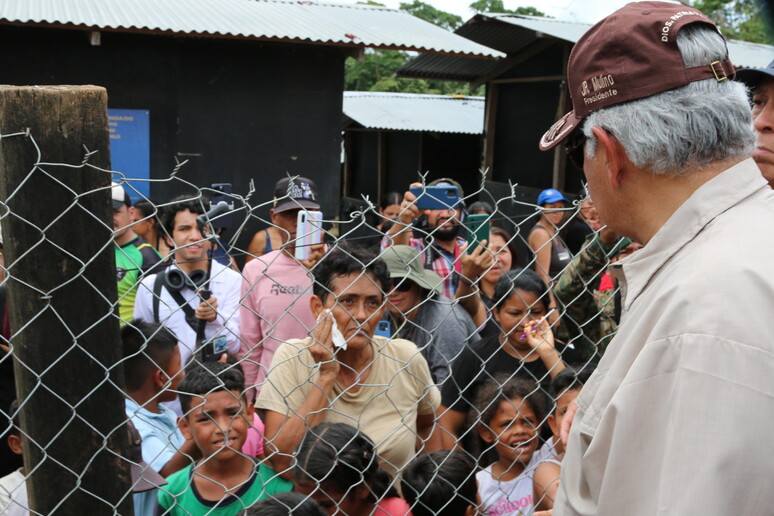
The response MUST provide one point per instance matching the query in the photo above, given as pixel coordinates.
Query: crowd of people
(423, 372)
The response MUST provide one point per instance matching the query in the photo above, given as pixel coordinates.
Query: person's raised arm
(473, 266)
(400, 232)
(284, 433)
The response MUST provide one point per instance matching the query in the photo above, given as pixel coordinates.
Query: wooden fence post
(62, 284)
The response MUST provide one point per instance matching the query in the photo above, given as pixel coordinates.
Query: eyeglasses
(575, 148)
(403, 285)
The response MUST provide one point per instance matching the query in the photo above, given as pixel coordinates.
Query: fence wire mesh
(376, 364)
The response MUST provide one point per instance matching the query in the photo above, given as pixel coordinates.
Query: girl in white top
(511, 412)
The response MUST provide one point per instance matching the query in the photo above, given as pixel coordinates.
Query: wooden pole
(60, 294)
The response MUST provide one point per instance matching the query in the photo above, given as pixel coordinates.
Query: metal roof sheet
(413, 112)
(273, 20)
(492, 30)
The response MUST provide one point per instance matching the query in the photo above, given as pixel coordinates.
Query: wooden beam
(564, 105)
(62, 295)
(381, 165)
(490, 122)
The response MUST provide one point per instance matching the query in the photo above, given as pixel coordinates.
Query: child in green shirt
(216, 416)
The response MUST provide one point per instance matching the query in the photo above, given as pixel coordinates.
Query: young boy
(13, 490)
(565, 387)
(152, 371)
(216, 417)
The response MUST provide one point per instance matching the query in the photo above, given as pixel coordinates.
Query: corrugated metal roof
(412, 112)
(492, 30)
(272, 20)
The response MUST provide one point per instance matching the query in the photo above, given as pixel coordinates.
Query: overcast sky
(590, 11)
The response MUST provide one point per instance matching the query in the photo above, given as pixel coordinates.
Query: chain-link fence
(390, 364)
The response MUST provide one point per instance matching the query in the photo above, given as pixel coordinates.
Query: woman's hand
(476, 264)
(539, 335)
(322, 346)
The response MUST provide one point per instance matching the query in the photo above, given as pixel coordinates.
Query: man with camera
(438, 230)
(196, 298)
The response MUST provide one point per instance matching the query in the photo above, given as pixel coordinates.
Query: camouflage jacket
(588, 314)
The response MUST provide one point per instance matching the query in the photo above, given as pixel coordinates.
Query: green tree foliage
(376, 70)
(496, 6)
(738, 19)
(429, 13)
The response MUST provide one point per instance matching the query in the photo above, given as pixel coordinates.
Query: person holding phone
(421, 314)
(437, 238)
(277, 286)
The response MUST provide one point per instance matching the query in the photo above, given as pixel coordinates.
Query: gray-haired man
(676, 418)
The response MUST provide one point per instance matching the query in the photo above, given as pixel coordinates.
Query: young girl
(338, 467)
(511, 414)
(524, 346)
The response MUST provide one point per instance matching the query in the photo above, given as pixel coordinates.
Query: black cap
(291, 193)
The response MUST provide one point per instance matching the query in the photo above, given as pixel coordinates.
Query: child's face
(513, 430)
(562, 402)
(218, 424)
(520, 308)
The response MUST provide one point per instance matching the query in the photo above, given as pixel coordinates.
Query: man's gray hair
(688, 128)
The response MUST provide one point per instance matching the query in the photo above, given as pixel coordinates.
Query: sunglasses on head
(402, 285)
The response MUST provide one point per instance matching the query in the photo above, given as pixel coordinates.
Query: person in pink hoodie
(277, 287)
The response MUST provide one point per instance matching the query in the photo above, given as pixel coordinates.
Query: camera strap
(158, 284)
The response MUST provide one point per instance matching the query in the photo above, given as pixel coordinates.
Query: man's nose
(765, 120)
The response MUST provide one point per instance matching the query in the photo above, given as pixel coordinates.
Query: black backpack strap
(157, 284)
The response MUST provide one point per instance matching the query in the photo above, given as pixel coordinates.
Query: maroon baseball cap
(631, 54)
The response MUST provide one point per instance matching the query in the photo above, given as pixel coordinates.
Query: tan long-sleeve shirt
(678, 417)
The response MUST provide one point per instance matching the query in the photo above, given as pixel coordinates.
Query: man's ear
(168, 240)
(485, 433)
(15, 444)
(316, 304)
(614, 155)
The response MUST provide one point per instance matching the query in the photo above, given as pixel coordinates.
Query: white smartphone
(308, 232)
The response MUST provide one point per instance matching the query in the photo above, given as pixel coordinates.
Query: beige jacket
(678, 417)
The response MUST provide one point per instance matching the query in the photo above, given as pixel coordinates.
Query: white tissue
(337, 337)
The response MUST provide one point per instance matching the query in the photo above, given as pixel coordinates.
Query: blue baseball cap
(551, 195)
(752, 76)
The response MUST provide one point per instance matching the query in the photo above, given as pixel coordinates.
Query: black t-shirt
(481, 361)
